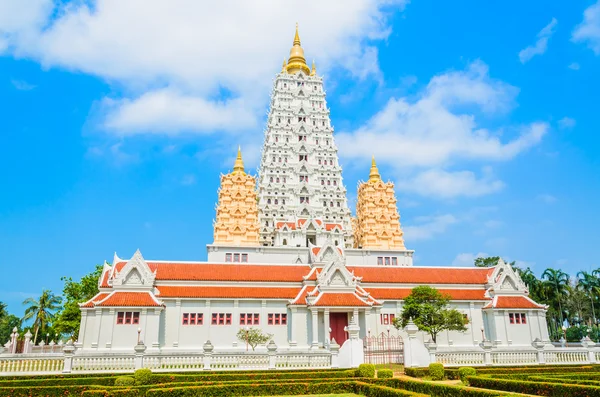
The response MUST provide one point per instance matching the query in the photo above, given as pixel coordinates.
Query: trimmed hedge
(463, 372)
(143, 376)
(125, 381)
(46, 391)
(421, 372)
(94, 393)
(437, 389)
(536, 388)
(365, 371)
(232, 376)
(105, 380)
(385, 373)
(436, 371)
(125, 393)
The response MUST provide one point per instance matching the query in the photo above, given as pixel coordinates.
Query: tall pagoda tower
(301, 195)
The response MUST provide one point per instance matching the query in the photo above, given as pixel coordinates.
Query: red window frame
(511, 318)
(128, 318)
(523, 318)
(244, 258)
(277, 319)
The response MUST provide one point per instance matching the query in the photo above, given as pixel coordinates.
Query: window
(249, 319)
(277, 319)
(245, 258)
(192, 319)
(511, 318)
(387, 260)
(380, 260)
(128, 318)
(228, 256)
(221, 319)
(394, 261)
(517, 318)
(387, 319)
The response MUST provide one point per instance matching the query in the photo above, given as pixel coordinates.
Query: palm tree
(557, 281)
(589, 284)
(42, 311)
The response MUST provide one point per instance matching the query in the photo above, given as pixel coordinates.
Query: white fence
(70, 361)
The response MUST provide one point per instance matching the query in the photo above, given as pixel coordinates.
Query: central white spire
(301, 194)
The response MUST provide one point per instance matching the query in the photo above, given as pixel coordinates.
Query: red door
(337, 322)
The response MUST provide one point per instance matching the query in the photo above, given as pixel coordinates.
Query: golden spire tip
(374, 174)
(238, 166)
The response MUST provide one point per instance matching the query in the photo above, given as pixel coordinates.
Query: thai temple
(289, 257)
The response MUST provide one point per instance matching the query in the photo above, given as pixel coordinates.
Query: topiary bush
(143, 376)
(366, 371)
(124, 381)
(463, 372)
(436, 371)
(385, 373)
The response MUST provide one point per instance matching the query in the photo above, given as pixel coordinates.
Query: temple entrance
(337, 322)
(383, 349)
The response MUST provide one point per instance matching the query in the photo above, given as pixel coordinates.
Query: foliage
(125, 381)
(436, 371)
(365, 371)
(429, 310)
(437, 389)
(253, 336)
(535, 388)
(7, 324)
(487, 262)
(41, 311)
(75, 292)
(385, 373)
(463, 372)
(143, 376)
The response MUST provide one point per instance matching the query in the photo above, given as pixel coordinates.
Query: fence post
(272, 349)
(486, 345)
(589, 345)
(208, 349)
(334, 348)
(431, 348)
(539, 347)
(69, 352)
(27, 347)
(140, 348)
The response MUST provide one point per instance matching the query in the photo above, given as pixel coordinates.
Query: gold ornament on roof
(238, 166)
(313, 70)
(374, 174)
(284, 67)
(297, 62)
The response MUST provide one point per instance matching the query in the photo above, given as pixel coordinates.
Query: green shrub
(124, 393)
(463, 372)
(125, 381)
(436, 389)
(143, 376)
(416, 372)
(451, 373)
(385, 373)
(436, 371)
(365, 371)
(535, 388)
(54, 381)
(94, 393)
(46, 391)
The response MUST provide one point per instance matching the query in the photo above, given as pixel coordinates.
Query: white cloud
(566, 123)
(174, 58)
(574, 66)
(425, 135)
(427, 227)
(588, 31)
(22, 85)
(440, 183)
(547, 198)
(467, 258)
(541, 45)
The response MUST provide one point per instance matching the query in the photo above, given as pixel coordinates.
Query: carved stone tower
(237, 211)
(377, 219)
(302, 198)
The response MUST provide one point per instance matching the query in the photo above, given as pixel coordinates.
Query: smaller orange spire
(374, 174)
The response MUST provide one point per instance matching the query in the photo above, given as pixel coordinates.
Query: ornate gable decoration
(505, 281)
(135, 274)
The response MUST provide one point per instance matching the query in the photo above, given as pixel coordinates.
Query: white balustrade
(514, 358)
(38, 364)
(460, 358)
(561, 356)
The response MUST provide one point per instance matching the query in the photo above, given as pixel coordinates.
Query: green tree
(67, 321)
(253, 337)
(429, 310)
(588, 283)
(7, 324)
(556, 283)
(487, 262)
(41, 311)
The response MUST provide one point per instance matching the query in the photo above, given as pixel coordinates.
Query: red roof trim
(227, 292)
(421, 275)
(132, 299)
(513, 302)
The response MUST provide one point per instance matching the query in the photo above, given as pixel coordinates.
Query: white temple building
(289, 257)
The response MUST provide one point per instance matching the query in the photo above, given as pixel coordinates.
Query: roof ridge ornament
(297, 62)
(374, 174)
(238, 166)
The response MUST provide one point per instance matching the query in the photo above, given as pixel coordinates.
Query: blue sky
(118, 117)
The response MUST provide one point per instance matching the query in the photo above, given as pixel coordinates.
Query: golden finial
(297, 62)
(238, 166)
(313, 70)
(374, 174)
(283, 69)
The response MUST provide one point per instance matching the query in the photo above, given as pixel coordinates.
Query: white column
(471, 307)
(292, 325)
(177, 323)
(84, 319)
(315, 328)
(208, 317)
(97, 328)
(326, 328)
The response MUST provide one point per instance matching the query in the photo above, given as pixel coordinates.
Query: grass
(327, 395)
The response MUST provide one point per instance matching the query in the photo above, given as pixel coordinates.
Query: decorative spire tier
(237, 210)
(302, 197)
(377, 220)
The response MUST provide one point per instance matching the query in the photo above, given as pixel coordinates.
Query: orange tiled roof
(331, 226)
(95, 299)
(339, 299)
(104, 283)
(135, 299)
(421, 275)
(227, 292)
(225, 272)
(291, 225)
(513, 302)
(402, 293)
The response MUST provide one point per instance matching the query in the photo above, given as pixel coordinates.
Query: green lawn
(327, 395)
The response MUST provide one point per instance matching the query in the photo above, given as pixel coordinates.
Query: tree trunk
(36, 334)
(593, 311)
